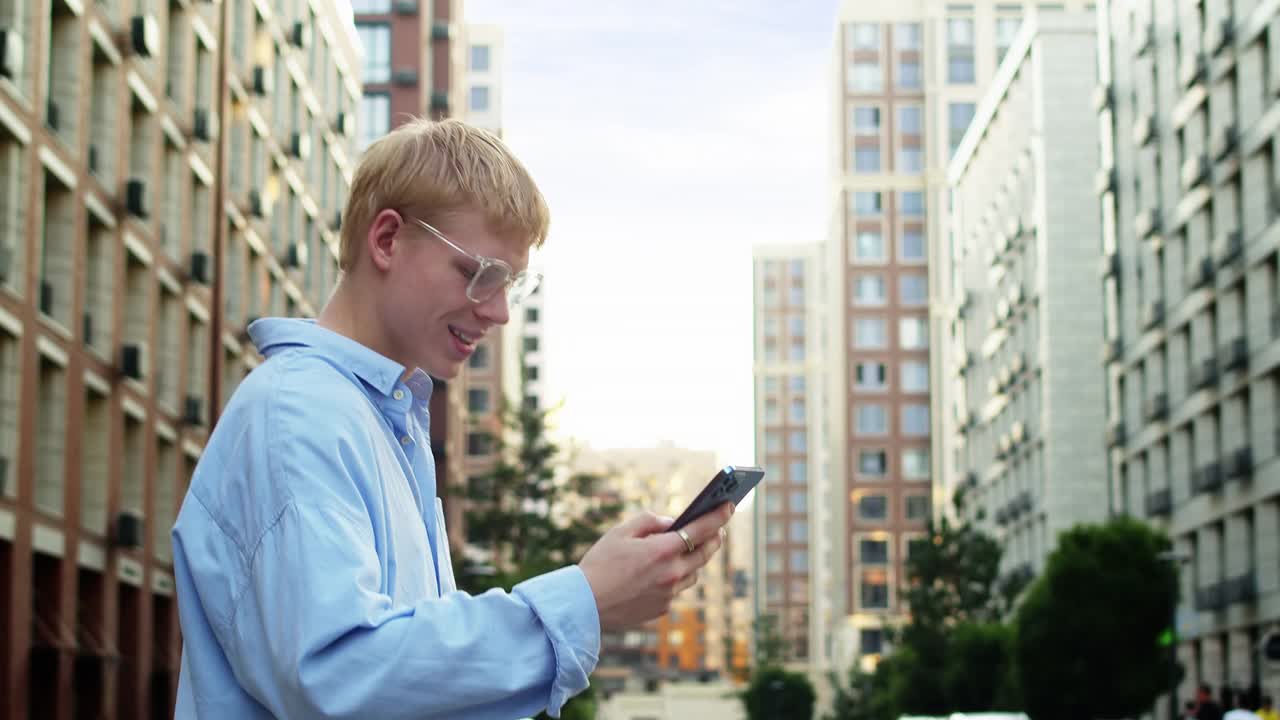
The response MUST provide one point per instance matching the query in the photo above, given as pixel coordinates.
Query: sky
(669, 137)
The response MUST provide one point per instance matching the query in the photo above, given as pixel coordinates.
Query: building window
(13, 193)
(799, 531)
(909, 120)
(773, 561)
(915, 463)
(875, 590)
(913, 289)
(911, 159)
(912, 249)
(95, 461)
(866, 203)
(917, 507)
(478, 400)
(873, 463)
(906, 36)
(478, 100)
(50, 437)
(798, 441)
(959, 115)
(799, 472)
(866, 77)
(960, 68)
(479, 443)
(909, 75)
(912, 203)
(371, 7)
(915, 376)
(915, 420)
(375, 38)
(480, 58)
(871, 376)
(775, 533)
(773, 502)
(873, 552)
(864, 36)
(869, 290)
(773, 441)
(772, 416)
(375, 117)
(799, 561)
(796, 384)
(866, 159)
(869, 246)
(870, 641)
(866, 121)
(797, 411)
(799, 502)
(531, 343)
(1006, 30)
(797, 350)
(872, 419)
(480, 358)
(873, 507)
(870, 334)
(531, 315)
(913, 333)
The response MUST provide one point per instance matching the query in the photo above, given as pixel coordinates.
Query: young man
(311, 558)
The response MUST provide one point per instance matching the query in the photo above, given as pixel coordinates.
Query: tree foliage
(1087, 633)
(774, 693)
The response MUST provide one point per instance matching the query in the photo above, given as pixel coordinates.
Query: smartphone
(731, 484)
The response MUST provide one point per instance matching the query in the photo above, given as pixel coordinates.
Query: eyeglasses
(491, 275)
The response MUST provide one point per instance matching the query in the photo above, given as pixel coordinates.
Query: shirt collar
(271, 335)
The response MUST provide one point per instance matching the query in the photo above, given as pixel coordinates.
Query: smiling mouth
(464, 337)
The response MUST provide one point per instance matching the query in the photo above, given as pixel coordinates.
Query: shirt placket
(401, 411)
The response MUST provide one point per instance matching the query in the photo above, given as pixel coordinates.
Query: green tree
(956, 600)
(510, 510)
(1087, 633)
(773, 693)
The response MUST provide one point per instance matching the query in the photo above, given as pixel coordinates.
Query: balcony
(1146, 224)
(1228, 248)
(1211, 598)
(1207, 479)
(1109, 266)
(1115, 435)
(1144, 129)
(1238, 464)
(1194, 171)
(1200, 274)
(1156, 409)
(1159, 503)
(1192, 69)
(1240, 590)
(1112, 351)
(1203, 375)
(1153, 314)
(1234, 355)
(1104, 181)
(1224, 141)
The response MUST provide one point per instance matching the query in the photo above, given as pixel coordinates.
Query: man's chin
(442, 370)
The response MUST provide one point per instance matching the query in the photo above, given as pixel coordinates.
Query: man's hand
(637, 568)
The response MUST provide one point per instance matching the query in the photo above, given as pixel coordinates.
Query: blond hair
(436, 168)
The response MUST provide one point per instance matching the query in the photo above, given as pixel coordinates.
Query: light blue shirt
(312, 564)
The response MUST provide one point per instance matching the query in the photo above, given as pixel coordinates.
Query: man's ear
(381, 238)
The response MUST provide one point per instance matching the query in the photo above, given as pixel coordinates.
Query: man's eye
(467, 272)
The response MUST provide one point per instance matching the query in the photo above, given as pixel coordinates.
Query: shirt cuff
(565, 605)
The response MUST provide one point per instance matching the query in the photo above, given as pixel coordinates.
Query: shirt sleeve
(312, 635)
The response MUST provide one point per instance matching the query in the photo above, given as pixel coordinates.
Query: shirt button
(405, 440)
(399, 394)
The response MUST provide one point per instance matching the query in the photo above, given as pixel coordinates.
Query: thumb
(644, 524)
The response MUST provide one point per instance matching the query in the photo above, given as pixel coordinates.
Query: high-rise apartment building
(1189, 202)
(1025, 390)
(792, 515)
(909, 76)
(168, 172)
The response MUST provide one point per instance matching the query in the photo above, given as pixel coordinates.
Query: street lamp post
(1176, 558)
